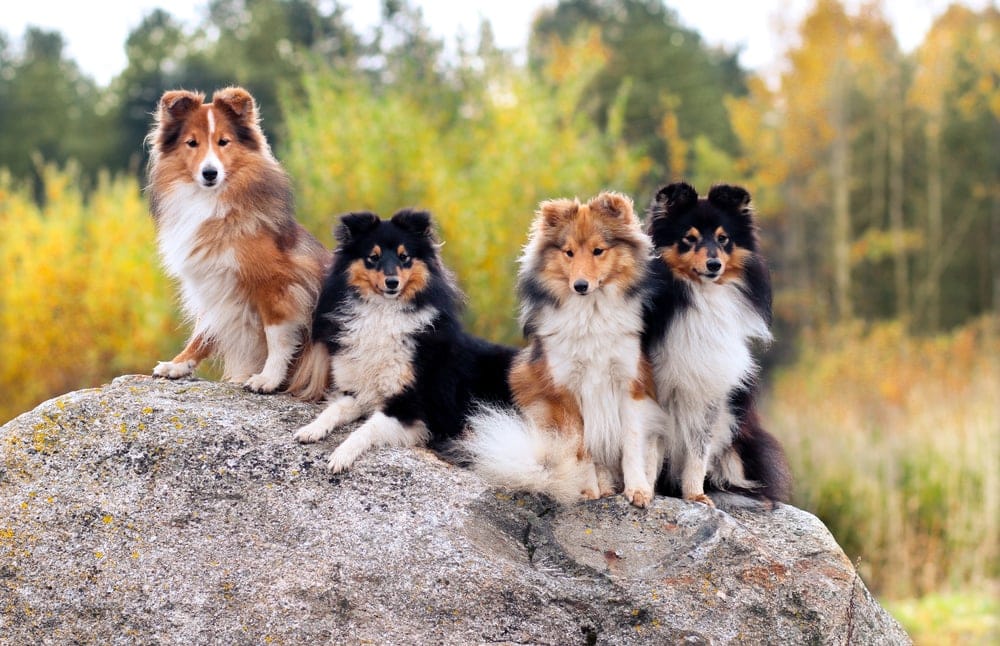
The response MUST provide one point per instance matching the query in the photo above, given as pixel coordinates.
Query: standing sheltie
(711, 298)
(249, 274)
(389, 316)
(584, 390)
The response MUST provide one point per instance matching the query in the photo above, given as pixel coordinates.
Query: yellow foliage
(82, 297)
(481, 173)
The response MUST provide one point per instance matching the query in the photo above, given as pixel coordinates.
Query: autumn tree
(819, 147)
(670, 83)
(956, 90)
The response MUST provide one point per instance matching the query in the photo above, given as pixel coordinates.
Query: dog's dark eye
(691, 240)
(223, 142)
(403, 257)
(569, 252)
(373, 259)
(191, 143)
(598, 251)
(722, 239)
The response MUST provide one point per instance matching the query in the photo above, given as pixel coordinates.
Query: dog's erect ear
(237, 101)
(353, 225)
(674, 199)
(416, 222)
(730, 198)
(555, 212)
(613, 205)
(177, 104)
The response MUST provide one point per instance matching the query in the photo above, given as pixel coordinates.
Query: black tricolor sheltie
(389, 316)
(711, 298)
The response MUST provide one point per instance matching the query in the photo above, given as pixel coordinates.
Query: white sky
(96, 31)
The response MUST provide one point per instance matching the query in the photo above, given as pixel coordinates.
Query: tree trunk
(932, 294)
(840, 176)
(897, 225)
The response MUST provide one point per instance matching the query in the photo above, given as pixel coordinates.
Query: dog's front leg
(344, 410)
(378, 430)
(196, 351)
(636, 421)
(282, 340)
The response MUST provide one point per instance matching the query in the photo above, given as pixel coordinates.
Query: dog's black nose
(581, 286)
(713, 265)
(391, 282)
(209, 174)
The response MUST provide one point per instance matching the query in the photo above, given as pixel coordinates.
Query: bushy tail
(764, 462)
(310, 375)
(763, 459)
(509, 452)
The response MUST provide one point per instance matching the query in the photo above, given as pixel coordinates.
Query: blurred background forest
(875, 173)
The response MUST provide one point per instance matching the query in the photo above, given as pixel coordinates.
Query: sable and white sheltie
(589, 418)
(711, 297)
(389, 316)
(249, 274)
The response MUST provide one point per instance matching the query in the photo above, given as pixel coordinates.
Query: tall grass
(894, 441)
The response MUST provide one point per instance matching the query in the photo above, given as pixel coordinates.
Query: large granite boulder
(150, 511)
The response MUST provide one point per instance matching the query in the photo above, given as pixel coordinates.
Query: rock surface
(150, 511)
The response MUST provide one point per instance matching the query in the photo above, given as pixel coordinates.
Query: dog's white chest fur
(377, 343)
(206, 279)
(592, 347)
(705, 352)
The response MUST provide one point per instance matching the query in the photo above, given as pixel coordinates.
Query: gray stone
(150, 511)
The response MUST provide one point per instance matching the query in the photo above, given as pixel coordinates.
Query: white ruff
(705, 353)
(208, 282)
(591, 345)
(375, 358)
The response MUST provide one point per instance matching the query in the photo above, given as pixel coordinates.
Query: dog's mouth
(708, 276)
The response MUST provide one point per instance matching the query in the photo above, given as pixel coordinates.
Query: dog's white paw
(262, 383)
(313, 432)
(172, 370)
(341, 458)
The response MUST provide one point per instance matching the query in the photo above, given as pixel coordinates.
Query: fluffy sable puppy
(711, 297)
(249, 274)
(588, 420)
(389, 318)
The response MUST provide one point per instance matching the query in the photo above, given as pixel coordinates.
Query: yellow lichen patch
(45, 436)
(107, 519)
(147, 410)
